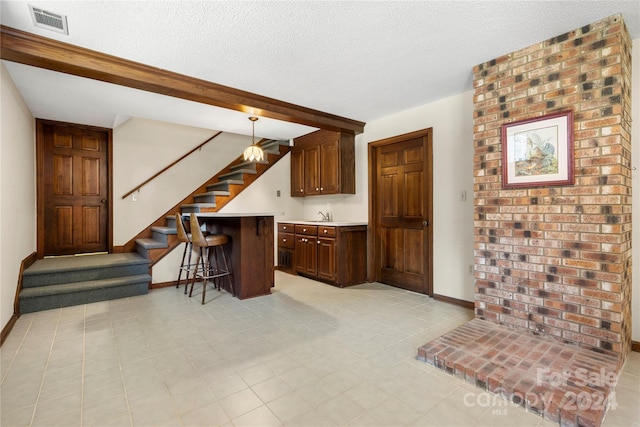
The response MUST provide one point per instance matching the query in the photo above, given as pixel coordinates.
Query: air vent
(49, 20)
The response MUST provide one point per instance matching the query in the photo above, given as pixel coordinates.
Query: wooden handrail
(169, 166)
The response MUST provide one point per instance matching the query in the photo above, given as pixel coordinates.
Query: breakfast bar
(251, 249)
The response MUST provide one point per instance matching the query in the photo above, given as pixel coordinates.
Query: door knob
(103, 201)
(425, 223)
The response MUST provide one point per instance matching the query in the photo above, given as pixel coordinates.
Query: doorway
(401, 211)
(74, 188)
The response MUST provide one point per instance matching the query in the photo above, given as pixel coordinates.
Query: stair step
(151, 243)
(54, 271)
(197, 207)
(237, 174)
(210, 196)
(248, 165)
(224, 185)
(164, 229)
(68, 294)
(273, 147)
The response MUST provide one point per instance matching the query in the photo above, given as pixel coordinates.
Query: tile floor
(308, 355)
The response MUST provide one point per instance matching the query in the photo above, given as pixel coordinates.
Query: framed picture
(538, 151)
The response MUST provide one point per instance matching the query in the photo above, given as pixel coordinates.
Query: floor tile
(310, 354)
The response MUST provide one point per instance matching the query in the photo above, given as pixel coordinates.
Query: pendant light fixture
(253, 153)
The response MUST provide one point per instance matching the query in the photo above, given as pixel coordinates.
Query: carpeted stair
(65, 281)
(163, 238)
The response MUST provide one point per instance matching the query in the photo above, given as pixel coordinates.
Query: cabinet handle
(318, 242)
(304, 229)
(284, 228)
(325, 231)
(321, 188)
(316, 188)
(301, 190)
(284, 240)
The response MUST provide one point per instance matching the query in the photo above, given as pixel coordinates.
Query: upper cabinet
(323, 162)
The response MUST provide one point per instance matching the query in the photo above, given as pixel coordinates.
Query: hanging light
(253, 153)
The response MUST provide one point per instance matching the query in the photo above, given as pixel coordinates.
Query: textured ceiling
(357, 59)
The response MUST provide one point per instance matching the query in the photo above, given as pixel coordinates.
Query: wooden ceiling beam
(30, 49)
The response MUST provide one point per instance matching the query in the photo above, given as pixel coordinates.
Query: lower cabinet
(317, 249)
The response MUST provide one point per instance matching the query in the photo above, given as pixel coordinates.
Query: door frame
(40, 220)
(373, 255)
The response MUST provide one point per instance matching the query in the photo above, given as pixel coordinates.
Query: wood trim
(30, 49)
(635, 346)
(455, 301)
(162, 285)
(373, 263)
(40, 225)
(8, 327)
(24, 264)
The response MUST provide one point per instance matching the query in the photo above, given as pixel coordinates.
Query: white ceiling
(357, 59)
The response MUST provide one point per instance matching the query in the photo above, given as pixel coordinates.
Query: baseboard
(8, 327)
(162, 285)
(24, 264)
(455, 301)
(635, 346)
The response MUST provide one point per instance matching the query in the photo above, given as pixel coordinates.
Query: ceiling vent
(49, 20)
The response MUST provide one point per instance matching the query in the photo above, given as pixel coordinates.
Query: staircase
(160, 238)
(65, 281)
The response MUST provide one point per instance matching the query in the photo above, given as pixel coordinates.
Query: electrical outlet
(470, 269)
(463, 195)
(277, 193)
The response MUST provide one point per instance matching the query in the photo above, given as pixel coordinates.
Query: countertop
(326, 223)
(233, 214)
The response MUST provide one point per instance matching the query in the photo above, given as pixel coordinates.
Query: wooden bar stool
(187, 267)
(212, 265)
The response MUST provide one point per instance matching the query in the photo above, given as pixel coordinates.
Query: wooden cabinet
(317, 250)
(327, 258)
(297, 173)
(286, 247)
(323, 162)
(306, 249)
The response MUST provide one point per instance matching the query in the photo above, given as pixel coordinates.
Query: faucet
(325, 217)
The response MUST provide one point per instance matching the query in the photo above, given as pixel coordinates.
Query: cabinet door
(306, 253)
(312, 170)
(327, 258)
(329, 167)
(297, 173)
(301, 254)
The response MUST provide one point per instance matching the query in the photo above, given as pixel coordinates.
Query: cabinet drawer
(286, 240)
(326, 232)
(285, 227)
(307, 230)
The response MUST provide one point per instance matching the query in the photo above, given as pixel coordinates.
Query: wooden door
(329, 168)
(401, 210)
(297, 173)
(73, 189)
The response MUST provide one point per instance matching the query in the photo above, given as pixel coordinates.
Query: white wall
(17, 190)
(141, 148)
(635, 160)
(452, 222)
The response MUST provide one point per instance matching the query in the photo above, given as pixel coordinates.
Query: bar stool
(206, 269)
(184, 237)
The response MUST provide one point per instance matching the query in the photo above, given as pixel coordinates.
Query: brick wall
(557, 260)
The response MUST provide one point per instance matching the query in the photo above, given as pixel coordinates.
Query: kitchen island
(251, 249)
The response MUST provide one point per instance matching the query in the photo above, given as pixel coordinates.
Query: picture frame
(538, 151)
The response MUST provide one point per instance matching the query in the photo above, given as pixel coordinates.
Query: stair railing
(139, 186)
